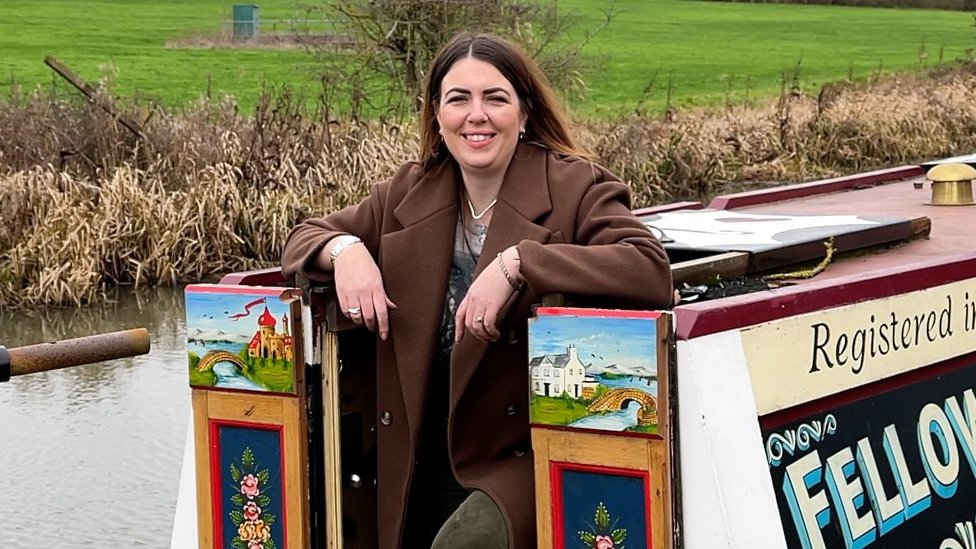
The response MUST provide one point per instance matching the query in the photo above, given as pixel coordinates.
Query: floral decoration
(604, 533)
(253, 523)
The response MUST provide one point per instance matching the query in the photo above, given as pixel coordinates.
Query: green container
(245, 21)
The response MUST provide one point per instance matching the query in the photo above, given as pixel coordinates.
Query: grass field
(707, 52)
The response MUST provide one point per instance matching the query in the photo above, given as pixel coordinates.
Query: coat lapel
(523, 199)
(416, 264)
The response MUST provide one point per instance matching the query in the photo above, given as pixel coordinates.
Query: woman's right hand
(359, 285)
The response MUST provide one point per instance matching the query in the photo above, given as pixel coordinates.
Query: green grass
(126, 40)
(556, 410)
(709, 51)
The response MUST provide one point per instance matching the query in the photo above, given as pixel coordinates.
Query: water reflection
(229, 378)
(102, 440)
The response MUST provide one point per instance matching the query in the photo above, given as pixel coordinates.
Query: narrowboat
(813, 386)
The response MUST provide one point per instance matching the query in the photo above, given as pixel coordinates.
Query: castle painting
(594, 369)
(241, 337)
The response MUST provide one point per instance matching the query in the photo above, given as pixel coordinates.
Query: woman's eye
(497, 99)
(455, 99)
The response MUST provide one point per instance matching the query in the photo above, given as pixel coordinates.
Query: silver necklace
(477, 216)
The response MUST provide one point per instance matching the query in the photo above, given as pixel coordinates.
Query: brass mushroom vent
(952, 184)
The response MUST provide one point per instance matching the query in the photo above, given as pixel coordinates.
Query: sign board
(806, 357)
(894, 470)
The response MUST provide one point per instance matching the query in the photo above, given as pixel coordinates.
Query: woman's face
(480, 117)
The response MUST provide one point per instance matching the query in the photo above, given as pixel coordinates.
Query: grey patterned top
(468, 242)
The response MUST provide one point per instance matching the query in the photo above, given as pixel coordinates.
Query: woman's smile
(480, 117)
(479, 139)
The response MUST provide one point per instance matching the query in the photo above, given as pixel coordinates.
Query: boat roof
(888, 237)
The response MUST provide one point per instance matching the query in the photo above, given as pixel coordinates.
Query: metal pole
(72, 352)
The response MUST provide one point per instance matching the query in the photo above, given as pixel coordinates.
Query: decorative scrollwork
(801, 438)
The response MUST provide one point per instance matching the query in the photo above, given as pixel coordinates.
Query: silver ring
(354, 311)
(479, 319)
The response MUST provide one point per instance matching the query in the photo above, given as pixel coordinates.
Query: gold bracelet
(516, 285)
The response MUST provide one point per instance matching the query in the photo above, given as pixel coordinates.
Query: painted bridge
(617, 399)
(213, 357)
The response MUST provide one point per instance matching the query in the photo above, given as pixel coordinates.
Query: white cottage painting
(594, 369)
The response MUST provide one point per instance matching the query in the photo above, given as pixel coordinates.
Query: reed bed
(88, 207)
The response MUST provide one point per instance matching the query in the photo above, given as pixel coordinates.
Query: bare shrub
(212, 191)
(388, 45)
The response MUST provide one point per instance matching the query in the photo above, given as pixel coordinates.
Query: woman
(445, 260)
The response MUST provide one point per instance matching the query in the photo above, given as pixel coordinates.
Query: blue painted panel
(603, 511)
(251, 490)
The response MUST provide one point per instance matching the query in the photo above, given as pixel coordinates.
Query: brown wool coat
(548, 205)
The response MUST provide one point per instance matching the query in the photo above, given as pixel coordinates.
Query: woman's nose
(477, 113)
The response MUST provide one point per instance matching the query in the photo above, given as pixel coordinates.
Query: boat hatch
(743, 242)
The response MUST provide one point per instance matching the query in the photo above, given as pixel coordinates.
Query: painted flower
(262, 530)
(251, 511)
(246, 532)
(249, 486)
(255, 545)
(256, 531)
(604, 532)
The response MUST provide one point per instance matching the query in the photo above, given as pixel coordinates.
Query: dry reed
(86, 207)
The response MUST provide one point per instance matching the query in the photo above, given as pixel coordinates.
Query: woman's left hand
(480, 311)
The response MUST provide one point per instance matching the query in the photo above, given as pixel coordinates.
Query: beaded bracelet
(516, 285)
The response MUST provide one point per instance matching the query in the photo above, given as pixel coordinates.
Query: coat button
(386, 417)
(512, 337)
(511, 409)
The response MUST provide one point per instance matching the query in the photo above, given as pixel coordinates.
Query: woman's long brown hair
(546, 122)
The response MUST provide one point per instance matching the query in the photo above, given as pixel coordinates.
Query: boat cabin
(813, 386)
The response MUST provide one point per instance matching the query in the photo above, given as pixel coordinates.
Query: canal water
(90, 456)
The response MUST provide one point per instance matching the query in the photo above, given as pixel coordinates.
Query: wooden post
(600, 407)
(89, 92)
(246, 370)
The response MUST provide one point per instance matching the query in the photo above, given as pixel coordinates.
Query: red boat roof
(905, 263)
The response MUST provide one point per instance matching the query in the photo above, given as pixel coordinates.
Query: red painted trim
(651, 210)
(828, 403)
(556, 491)
(218, 289)
(578, 311)
(556, 504)
(824, 186)
(284, 486)
(216, 502)
(262, 277)
(709, 317)
(215, 473)
(628, 434)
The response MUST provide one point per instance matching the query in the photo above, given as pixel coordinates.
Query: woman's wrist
(510, 264)
(327, 257)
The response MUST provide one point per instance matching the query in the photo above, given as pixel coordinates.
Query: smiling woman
(481, 120)
(445, 260)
